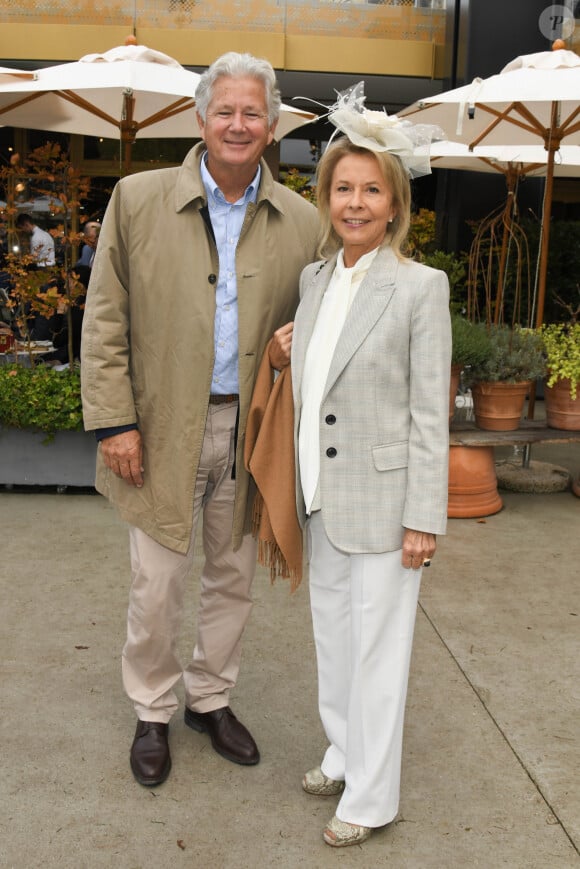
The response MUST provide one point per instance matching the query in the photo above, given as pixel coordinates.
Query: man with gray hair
(91, 231)
(197, 268)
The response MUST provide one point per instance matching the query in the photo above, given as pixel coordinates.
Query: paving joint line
(499, 729)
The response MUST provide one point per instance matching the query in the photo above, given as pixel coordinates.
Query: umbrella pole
(552, 144)
(128, 130)
(545, 239)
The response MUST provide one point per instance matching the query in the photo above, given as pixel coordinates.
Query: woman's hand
(281, 346)
(418, 547)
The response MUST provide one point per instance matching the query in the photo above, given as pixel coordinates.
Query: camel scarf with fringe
(269, 457)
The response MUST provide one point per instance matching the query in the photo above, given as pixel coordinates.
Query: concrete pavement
(490, 771)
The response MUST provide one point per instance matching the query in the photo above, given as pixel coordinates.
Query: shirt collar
(214, 194)
(361, 265)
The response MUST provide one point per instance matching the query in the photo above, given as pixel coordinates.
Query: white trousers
(150, 663)
(363, 614)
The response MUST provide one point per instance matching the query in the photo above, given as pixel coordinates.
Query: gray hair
(91, 225)
(236, 65)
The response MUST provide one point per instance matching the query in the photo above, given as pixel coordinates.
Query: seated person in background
(41, 242)
(91, 232)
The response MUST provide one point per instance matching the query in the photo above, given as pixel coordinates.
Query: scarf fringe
(270, 555)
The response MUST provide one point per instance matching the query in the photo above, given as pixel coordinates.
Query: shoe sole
(323, 793)
(149, 783)
(195, 724)
(344, 843)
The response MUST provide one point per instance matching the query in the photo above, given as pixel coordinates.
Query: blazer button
(330, 419)
(212, 279)
(331, 452)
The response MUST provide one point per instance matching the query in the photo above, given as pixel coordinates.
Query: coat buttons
(330, 419)
(331, 452)
(212, 279)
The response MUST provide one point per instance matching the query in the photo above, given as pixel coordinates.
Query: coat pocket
(388, 457)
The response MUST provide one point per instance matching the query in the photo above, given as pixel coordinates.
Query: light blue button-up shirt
(227, 219)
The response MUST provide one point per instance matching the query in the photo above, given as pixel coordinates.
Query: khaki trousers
(150, 661)
(363, 614)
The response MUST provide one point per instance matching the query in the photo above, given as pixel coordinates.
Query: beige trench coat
(148, 346)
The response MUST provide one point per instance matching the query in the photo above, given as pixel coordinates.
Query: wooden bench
(466, 434)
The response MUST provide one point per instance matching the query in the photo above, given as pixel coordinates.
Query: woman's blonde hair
(396, 179)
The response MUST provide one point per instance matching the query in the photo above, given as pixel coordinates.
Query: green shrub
(455, 268)
(515, 355)
(561, 343)
(40, 398)
(470, 343)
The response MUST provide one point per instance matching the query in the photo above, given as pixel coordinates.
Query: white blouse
(335, 305)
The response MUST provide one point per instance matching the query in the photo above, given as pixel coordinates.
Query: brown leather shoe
(150, 758)
(228, 736)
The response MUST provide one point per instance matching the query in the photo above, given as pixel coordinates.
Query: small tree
(47, 171)
(294, 180)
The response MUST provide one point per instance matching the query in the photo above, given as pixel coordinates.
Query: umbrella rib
(521, 168)
(531, 167)
(567, 125)
(504, 116)
(28, 99)
(175, 108)
(75, 99)
(529, 116)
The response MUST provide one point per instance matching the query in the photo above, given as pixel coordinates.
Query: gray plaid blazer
(384, 430)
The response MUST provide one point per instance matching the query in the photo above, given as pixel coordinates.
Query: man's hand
(281, 346)
(123, 454)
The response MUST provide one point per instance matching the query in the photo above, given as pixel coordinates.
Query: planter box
(27, 460)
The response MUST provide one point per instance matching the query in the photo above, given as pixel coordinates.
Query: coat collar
(190, 187)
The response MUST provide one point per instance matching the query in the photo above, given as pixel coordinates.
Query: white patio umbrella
(530, 161)
(126, 93)
(514, 163)
(8, 75)
(534, 100)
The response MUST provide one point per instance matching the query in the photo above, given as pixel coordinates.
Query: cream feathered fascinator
(379, 131)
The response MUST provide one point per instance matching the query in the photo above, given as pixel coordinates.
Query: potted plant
(41, 437)
(561, 343)
(501, 381)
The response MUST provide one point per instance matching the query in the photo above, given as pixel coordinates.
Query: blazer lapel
(305, 320)
(371, 300)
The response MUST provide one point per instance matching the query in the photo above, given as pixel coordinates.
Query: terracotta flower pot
(562, 411)
(498, 406)
(472, 483)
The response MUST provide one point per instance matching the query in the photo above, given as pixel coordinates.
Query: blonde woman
(370, 369)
